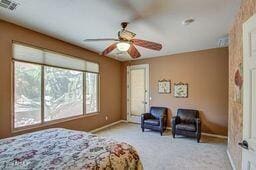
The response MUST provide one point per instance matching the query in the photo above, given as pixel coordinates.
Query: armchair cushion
(186, 127)
(153, 122)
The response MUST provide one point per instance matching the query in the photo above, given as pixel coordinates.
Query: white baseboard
(231, 161)
(107, 126)
(214, 135)
(208, 134)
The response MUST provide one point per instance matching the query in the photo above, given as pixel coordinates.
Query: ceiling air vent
(11, 5)
(223, 42)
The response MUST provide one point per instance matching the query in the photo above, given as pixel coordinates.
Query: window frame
(44, 123)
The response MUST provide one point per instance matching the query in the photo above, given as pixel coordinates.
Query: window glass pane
(27, 94)
(91, 92)
(63, 93)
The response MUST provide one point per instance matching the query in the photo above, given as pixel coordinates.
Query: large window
(44, 93)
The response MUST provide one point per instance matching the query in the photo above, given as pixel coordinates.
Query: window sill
(53, 122)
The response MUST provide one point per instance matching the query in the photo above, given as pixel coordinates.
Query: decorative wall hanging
(164, 86)
(181, 90)
(238, 91)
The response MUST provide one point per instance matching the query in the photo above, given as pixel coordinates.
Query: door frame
(128, 92)
(247, 153)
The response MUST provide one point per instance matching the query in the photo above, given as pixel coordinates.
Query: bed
(66, 149)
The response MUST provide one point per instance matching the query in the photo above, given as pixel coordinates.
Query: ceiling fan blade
(147, 44)
(155, 8)
(150, 10)
(109, 49)
(134, 53)
(101, 39)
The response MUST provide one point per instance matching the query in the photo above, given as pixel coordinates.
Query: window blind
(41, 56)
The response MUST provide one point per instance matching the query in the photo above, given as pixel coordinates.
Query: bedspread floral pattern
(66, 149)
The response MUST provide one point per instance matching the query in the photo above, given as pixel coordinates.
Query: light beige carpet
(165, 153)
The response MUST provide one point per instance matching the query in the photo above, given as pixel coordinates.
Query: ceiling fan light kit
(123, 46)
(127, 42)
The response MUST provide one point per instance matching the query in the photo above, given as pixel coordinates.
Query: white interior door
(137, 91)
(249, 107)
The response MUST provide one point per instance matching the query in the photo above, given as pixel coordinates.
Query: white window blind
(40, 56)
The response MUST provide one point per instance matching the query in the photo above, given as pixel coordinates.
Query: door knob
(244, 144)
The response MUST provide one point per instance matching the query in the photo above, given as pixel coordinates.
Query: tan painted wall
(200, 69)
(110, 78)
(206, 72)
(248, 8)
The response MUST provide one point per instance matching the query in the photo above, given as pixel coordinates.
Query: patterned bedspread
(66, 149)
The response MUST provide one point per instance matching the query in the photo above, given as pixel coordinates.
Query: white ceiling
(159, 21)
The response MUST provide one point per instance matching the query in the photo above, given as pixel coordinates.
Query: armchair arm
(198, 125)
(175, 120)
(145, 116)
(163, 121)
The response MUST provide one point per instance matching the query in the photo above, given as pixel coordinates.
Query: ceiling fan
(127, 42)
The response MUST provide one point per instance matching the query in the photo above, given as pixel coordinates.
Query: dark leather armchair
(187, 123)
(155, 120)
